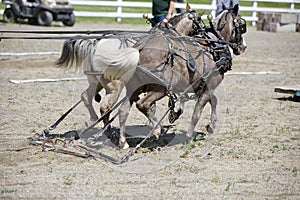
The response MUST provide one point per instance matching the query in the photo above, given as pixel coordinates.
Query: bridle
(239, 28)
(192, 15)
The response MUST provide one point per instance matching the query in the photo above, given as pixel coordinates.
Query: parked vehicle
(41, 12)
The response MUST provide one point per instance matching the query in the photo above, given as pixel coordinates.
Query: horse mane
(177, 18)
(218, 18)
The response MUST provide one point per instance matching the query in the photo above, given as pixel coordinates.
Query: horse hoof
(156, 134)
(209, 129)
(188, 140)
(124, 145)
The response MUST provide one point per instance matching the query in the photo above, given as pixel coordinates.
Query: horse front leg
(200, 104)
(213, 117)
(113, 90)
(123, 115)
(87, 98)
(174, 115)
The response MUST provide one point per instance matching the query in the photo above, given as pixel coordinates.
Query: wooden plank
(288, 90)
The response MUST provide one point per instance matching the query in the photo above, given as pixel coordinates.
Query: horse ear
(223, 6)
(200, 15)
(231, 4)
(236, 9)
(188, 7)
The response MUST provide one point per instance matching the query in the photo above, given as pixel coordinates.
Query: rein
(223, 63)
(86, 34)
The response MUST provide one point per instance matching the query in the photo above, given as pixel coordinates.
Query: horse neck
(226, 30)
(182, 25)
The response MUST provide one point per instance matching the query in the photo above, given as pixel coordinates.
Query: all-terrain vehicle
(41, 12)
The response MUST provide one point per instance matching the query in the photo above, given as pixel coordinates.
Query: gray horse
(99, 57)
(168, 59)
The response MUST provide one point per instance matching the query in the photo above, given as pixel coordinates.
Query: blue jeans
(157, 19)
(227, 4)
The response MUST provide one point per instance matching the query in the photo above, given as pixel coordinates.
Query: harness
(220, 54)
(240, 27)
(197, 28)
(223, 61)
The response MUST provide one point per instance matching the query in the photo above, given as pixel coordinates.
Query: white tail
(101, 56)
(75, 53)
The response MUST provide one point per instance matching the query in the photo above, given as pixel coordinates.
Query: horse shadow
(290, 98)
(136, 134)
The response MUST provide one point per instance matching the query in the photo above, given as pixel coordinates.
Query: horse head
(232, 27)
(187, 23)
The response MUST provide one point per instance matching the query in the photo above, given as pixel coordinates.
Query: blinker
(243, 26)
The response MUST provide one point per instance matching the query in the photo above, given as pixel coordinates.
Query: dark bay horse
(155, 56)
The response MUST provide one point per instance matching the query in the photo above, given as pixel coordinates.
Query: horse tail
(75, 53)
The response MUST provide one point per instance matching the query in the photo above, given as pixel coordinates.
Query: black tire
(44, 18)
(9, 16)
(71, 21)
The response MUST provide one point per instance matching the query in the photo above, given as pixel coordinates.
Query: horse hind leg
(151, 115)
(213, 118)
(148, 107)
(149, 112)
(123, 115)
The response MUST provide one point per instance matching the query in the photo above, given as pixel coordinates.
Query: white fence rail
(208, 8)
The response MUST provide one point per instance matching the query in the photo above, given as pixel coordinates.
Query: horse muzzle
(240, 48)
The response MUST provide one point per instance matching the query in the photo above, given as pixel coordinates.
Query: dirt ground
(254, 153)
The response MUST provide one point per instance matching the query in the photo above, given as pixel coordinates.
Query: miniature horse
(176, 73)
(105, 52)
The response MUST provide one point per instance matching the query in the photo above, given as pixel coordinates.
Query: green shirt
(160, 7)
